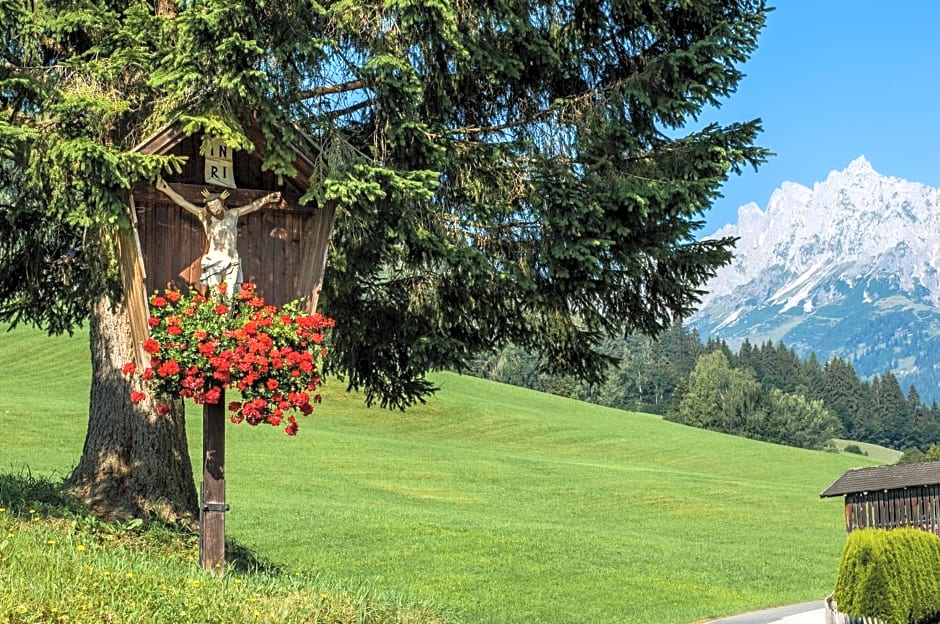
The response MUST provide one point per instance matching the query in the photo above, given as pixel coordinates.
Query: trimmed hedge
(892, 575)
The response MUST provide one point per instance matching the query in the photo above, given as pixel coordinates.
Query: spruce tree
(75, 96)
(502, 172)
(849, 399)
(892, 409)
(811, 378)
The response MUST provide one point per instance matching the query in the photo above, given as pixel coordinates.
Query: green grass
(500, 504)
(43, 399)
(879, 453)
(59, 565)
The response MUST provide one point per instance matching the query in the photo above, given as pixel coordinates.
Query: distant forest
(762, 391)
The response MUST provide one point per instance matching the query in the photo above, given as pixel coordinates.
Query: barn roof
(880, 478)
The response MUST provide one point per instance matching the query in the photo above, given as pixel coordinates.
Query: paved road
(805, 613)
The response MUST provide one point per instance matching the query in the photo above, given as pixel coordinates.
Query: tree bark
(135, 462)
(166, 8)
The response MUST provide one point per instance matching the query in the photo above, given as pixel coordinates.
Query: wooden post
(212, 505)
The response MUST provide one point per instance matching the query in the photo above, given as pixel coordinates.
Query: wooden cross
(212, 505)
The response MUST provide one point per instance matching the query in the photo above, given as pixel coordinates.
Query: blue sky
(833, 80)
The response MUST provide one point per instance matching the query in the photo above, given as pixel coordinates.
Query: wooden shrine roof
(170, 135)
(881, 478)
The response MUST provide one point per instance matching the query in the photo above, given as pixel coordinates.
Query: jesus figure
(220, 263)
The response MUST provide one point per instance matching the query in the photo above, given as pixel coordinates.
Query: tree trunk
(166, 8)
(135, 462)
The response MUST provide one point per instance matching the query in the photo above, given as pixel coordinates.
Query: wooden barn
(888, 497)
(282, 246)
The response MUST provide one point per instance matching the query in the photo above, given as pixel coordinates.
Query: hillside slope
(500, 503)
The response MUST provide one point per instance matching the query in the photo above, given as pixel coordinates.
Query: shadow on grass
(21, 492)
(240, 558)
(23, 495)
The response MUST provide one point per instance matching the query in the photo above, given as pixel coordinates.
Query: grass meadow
(496, 504)
(58, 564)
(878, 453)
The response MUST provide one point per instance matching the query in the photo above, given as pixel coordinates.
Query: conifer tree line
(764, 391)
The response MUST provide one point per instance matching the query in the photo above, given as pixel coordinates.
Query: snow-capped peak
(857, 238)
(855, 216)
(860, 166)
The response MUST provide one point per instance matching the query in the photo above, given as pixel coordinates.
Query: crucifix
(220, 263)
(287, 247)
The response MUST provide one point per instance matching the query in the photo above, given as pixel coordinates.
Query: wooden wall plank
(270, 243)
(282, 248)
(912, 507)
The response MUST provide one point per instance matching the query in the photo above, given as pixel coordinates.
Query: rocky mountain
(848, 268)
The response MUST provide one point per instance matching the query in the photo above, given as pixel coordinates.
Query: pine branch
(345, 87)
(342, 112)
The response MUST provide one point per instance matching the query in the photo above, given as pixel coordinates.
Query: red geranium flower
(238, 342)
(151, 346)
(129, 368)
(137, 396)
(168, 368)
